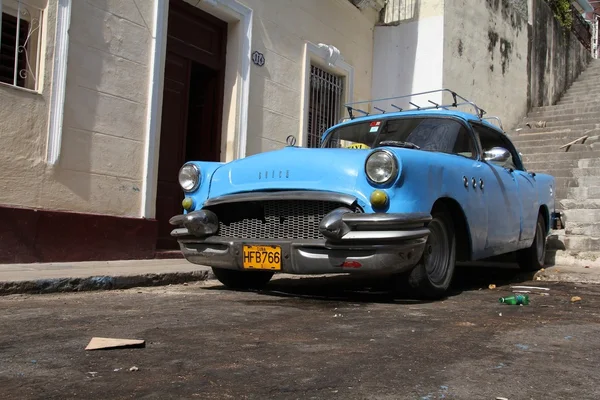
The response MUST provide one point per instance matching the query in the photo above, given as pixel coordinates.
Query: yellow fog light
(187, 203)
(379, 198)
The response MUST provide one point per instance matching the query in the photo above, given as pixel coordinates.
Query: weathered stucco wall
(101, 164)
(281, 29)
(24, 128)
(485, 56)
(408, 53)
(557, 58)
(100, 169)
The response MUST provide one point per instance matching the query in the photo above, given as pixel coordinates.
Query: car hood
(291, 168)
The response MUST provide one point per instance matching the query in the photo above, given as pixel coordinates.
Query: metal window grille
(399, 10)
(19, 43)
(325, 103)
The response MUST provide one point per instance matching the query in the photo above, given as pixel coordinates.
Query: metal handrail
(350, 107)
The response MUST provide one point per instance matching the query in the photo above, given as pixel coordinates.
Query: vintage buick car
(405, 193)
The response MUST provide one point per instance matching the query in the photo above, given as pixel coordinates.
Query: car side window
(489, 139)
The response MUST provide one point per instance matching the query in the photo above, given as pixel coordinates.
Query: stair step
(566, 114)
(583, 229)
(539, 166)
(577, 169)
(557, 173)
(581, 92)
(580, 193)
(589, 163)
(592, 85)
(588, 105)
(571, 204)
(585, 181)
(582, 243)
(587, 123)
(522, 142)
(581, 215)
(530, 150)
(561, 156)
(577, 100)
(567, 182)
(561, 194)
(585, 172)
(565, 131)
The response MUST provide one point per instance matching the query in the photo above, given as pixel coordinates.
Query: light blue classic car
(406, 193)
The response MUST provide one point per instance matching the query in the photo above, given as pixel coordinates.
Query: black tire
(533, 258)
(433, 274)
(242, 279)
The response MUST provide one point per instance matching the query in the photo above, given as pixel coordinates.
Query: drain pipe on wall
(158, 45)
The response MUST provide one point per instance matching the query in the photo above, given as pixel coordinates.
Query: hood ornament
(291, 140)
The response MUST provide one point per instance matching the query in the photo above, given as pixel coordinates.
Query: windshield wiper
(397, 143)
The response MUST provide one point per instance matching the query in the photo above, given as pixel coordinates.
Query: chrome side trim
(386, 219)
(283, 195)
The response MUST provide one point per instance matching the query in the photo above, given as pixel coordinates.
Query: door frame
(236, 92)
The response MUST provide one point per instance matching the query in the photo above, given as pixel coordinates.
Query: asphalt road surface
(311, 338)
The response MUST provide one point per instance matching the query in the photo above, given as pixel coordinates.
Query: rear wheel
(532, 258)
(242, 279)
(433, 274)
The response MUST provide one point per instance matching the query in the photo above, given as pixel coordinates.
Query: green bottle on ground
(515, 300)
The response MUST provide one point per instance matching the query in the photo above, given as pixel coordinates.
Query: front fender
(200, 195)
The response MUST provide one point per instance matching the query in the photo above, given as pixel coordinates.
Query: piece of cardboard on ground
(100, 343)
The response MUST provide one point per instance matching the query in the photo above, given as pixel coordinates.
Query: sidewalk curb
(101, 282)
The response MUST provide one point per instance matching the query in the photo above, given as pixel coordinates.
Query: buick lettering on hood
(404, 193)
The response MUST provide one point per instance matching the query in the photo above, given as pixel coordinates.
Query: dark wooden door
(172, 145)
(192, 105)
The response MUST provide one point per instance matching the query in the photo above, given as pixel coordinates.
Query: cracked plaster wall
(485, 56)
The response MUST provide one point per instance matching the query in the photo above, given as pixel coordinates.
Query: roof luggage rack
(455, 103)
(496, 119)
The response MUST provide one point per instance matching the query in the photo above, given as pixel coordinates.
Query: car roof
(467, 117)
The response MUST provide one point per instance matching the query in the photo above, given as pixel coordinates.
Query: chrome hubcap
(437, 255)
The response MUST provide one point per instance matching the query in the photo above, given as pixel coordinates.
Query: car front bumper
(353, 242)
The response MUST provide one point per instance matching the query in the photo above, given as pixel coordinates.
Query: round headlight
(381, 167)
(189, 177)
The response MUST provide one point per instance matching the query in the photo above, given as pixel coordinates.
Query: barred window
(20, 42)
(325, 103)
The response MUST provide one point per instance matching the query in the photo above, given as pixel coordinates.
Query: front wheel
(242, 279)
(433, 274)
(532, 258)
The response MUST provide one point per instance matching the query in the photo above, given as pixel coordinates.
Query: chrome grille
(273, 219)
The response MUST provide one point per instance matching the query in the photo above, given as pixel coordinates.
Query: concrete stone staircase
(576, 167)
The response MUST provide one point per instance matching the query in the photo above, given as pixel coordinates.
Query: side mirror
(496, 154)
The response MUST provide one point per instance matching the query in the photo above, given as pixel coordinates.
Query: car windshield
(444, 135)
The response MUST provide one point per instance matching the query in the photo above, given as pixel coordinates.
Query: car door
(501, 193)
(528, 195)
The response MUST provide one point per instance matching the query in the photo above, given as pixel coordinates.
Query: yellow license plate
(262, 257)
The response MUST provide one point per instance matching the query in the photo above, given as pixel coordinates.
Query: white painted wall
(408, 58)
(408, 53)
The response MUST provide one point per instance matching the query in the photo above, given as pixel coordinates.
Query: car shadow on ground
(368, 289)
